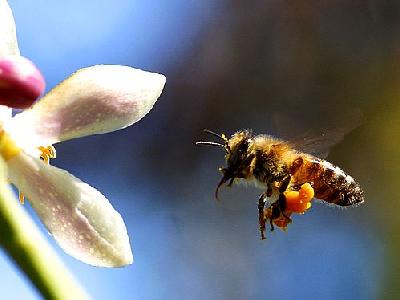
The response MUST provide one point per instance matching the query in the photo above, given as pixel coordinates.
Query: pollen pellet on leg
(291, 196)
(306, 192)
(299, 201)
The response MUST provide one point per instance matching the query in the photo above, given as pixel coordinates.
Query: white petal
(94, 100)
(5, 113)
(79, 217)
(8, 36)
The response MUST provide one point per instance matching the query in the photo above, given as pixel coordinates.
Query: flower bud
(21, 83)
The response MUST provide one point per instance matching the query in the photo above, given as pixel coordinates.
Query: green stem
(24, 243)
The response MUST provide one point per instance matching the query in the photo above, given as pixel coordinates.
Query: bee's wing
(318, 142)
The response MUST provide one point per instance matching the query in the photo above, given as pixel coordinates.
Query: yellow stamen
(21, 198)
(46, 153)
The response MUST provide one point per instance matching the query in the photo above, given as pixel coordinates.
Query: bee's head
(236, 155)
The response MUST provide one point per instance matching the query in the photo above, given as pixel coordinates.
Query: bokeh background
(263, 65)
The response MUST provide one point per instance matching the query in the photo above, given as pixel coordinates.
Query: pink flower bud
(21, 83)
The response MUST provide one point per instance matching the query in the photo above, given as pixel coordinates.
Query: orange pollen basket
(299, 201)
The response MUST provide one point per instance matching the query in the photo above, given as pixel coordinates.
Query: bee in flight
(278, 168)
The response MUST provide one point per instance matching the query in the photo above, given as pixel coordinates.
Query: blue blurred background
(231, 65)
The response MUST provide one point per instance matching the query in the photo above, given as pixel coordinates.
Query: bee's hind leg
(275, 213)
(272, 225)
(282, 206)
(284, 184)
(282, 199)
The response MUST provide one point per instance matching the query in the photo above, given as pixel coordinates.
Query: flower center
(8, 148)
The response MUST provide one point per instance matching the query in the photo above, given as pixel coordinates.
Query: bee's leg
(286, 217)
(261, 206)
(275, 213)
(272, 225)
(282, 206)
(282, 199)
(284, 184)
(261, 217)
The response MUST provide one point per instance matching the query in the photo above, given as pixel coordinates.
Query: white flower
(93, 100)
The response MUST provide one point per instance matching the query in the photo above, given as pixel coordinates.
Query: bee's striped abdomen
(330, 183)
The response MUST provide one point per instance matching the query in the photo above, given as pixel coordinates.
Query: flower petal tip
(8, 40)
(103, 256)
(118, 258)
(125, 259)
(152, 85)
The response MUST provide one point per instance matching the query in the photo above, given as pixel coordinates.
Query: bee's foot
(271, 223)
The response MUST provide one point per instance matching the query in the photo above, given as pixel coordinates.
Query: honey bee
(278, 168)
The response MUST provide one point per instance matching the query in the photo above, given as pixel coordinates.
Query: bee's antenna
(210, 144)
(221, 136)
